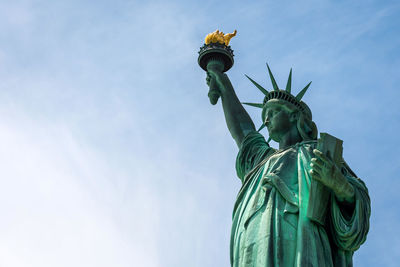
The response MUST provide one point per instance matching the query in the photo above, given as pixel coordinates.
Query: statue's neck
(291, 138)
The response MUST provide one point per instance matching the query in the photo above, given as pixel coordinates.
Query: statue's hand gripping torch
(216, 54)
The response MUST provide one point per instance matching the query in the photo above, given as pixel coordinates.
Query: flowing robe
(270, 224)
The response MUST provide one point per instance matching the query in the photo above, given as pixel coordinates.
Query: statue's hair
(307, 128)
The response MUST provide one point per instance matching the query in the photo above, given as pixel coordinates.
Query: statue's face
(278, 122)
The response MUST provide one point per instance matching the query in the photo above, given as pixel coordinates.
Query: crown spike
(276, 88)
(300, 95)
(257, 105)
(289, 82)
(262, 89)
(261, 127)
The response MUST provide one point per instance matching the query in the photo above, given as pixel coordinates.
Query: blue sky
(112, 155)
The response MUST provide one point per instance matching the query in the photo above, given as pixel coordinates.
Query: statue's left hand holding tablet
(327, 172)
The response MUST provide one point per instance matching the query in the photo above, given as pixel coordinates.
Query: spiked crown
(282, 95)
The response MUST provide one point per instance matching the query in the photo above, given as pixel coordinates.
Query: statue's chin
(274, 136)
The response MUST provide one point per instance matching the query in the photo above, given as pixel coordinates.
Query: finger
(211, 73)
(315, 167)
(318, 162)
(321, 156)
(315, 175)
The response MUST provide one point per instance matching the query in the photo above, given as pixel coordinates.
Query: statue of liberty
(275, 219)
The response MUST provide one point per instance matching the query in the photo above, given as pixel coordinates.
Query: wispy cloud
(58, 199)
(112, 154)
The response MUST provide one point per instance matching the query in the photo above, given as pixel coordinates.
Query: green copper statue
(299, 205)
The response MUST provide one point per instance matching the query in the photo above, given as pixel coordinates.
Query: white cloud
(58, 200)
(112, 154)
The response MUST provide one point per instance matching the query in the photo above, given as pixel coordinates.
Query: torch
(216, 53)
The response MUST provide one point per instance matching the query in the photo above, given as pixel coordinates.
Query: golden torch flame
(219, 37)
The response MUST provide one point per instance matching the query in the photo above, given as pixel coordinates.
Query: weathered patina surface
(274, 219)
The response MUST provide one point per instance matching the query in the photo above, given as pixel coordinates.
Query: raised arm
(237, 119)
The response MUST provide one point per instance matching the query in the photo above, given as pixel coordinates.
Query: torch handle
(214, 93)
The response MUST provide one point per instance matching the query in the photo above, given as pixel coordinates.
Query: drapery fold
(270, 226)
